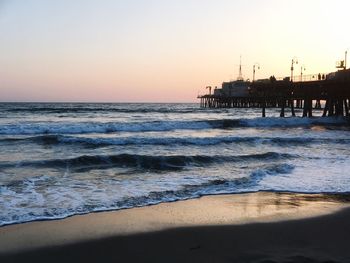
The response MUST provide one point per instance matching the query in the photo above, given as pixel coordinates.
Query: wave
(110, 127)
(127, 108)
(81, 205)
(143, 162)
(211, 187)
(52, 139)
(293, 122)
(41, 139)
(97, 127)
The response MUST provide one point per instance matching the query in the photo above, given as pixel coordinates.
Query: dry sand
(255, 227)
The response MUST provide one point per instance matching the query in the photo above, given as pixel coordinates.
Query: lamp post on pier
(256, 64)
(301, 72)
(294, 61)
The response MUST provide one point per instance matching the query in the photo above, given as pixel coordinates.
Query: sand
(254, 227)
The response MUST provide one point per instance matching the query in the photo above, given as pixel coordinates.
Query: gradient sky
(159, 50)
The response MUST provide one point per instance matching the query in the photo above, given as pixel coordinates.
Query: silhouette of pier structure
(333, 90)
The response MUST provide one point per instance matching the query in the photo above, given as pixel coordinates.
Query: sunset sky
(159, 50)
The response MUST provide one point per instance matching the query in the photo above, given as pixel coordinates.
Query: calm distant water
(58, 160)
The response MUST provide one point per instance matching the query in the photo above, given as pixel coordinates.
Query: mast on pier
(240, 76)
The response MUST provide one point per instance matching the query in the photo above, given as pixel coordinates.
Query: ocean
(63, 159)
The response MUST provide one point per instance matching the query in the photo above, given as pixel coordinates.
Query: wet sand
(255, 227)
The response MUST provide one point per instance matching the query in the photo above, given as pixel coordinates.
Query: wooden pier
(334, 91)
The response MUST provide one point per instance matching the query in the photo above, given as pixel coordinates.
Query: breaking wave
(143, 162)
(53, 139)
(82, 206)
(110, 127)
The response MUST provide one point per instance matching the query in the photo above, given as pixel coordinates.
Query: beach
(252, 227)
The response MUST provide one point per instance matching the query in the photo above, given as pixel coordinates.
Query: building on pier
(237, 88)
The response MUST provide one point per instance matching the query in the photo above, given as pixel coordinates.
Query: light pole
(301, 72)
(256, 64)
(294, 61)
(346, 56)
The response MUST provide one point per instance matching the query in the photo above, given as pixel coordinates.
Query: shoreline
(343, 196)
(228, 219)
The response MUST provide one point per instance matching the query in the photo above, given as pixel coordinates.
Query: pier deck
(307, 95)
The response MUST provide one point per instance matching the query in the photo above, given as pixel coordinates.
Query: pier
(332, 89)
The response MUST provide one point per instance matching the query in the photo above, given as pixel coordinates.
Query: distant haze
(159, 50)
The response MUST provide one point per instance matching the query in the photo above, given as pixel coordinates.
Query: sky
(160, 50)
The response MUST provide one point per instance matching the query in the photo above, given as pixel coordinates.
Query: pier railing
(309, 77)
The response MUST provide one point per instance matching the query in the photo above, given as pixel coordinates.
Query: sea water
(62, 159)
